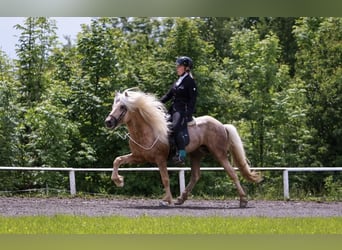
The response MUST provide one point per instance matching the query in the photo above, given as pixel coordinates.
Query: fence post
(72, 182)
(286, 184)
(181, 181)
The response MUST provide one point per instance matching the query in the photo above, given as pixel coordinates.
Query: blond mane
(150, 108)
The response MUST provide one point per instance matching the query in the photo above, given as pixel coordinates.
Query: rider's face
(180, 70)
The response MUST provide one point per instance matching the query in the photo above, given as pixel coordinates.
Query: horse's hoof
(119, 182)
(243, 203)
(164, 204)
(179, 201)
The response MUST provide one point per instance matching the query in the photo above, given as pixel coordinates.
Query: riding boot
(179, 159)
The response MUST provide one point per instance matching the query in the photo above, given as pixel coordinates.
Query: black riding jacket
(183, 96)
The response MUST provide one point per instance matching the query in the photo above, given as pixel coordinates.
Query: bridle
(121, 116)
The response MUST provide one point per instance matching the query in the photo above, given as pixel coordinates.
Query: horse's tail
(235, 147)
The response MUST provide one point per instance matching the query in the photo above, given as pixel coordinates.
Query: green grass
(62, 224)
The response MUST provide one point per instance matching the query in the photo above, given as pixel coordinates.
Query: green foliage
(259, 76)
(8, 113)
(333, 187)
(319, 67)
(49, 142)
(35, 42)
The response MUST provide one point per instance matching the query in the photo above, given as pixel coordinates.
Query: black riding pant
(178, 125)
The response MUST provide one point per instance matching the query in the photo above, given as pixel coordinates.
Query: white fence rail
(181, 172)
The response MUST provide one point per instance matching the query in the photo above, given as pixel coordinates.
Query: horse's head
(116, 116)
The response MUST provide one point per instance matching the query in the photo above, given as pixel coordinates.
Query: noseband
(121, 116)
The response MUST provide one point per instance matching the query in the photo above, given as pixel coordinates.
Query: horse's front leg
(124, 159)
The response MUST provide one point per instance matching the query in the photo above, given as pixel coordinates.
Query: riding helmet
(185, 61)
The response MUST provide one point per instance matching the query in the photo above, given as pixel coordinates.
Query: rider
(183, 93)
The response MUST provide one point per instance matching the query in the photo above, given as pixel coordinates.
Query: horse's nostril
(111, 122)
(108, 123)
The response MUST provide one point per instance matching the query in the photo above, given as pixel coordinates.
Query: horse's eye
(122, 107)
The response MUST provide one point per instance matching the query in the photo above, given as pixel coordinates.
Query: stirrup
(178, 160)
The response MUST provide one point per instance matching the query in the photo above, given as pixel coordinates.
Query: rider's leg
(178, 123)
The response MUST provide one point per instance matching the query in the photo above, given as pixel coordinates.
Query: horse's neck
(139, 129)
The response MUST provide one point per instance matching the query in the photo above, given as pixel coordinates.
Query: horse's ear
(126, 94)
(116, 97)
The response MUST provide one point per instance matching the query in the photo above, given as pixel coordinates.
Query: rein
(127, 134)
(143, 147)
(123, 137)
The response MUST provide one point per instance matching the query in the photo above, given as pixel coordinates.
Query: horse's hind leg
(167, 199)
(195, 175)
(232, 174)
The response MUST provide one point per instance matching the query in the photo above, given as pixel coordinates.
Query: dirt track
(14, 206)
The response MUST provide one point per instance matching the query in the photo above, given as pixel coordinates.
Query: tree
(256, 72)
(282, 27)
(101, 51)
(35, 43)
(319, 67)
(219, 31)
(9, 109)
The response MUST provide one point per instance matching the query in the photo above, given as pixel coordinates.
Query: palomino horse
(146, 120)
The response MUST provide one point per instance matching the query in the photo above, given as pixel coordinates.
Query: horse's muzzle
(111, 122)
